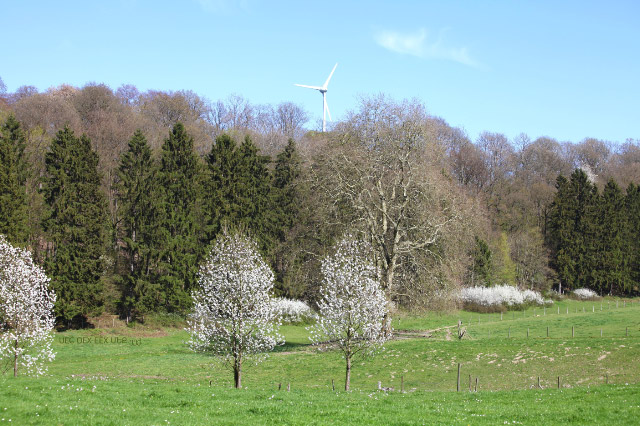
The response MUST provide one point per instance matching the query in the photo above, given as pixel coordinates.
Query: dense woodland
(119, 195)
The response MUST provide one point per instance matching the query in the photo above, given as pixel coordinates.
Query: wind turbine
(323, 89)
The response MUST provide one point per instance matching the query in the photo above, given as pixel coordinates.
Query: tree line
(594, 236)
(440, 211)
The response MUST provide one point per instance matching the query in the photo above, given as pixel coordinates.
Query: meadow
(145, 375)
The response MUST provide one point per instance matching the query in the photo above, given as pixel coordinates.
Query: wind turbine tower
(323, 89)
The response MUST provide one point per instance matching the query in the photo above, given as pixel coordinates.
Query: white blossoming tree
(26, 311)
(352, 306)
(233, 317)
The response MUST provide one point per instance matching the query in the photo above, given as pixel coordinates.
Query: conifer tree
(560, 234)
(239, 191)
(482, 265)
(179, 181)
(13, 177)
(138, 219)
(611, 273)
(632, 237)
(75, 225)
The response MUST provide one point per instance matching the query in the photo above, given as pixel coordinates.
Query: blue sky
(565, 69)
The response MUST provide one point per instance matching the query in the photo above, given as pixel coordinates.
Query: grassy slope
(157, 375)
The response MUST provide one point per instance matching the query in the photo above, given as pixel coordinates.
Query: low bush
(584, 294)
(495, 299)
(293, 311)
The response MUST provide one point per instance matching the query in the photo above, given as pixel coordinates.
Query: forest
(119, 194)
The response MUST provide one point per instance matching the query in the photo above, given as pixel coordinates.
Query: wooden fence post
(509, 333)
(572, 331)
(458, 385)
(558, 382)
(539, 387)
(476, 389)
(402, 384)
(547, 331)
(469, 382)
(288, 386)
(333, 385)
(379, 385)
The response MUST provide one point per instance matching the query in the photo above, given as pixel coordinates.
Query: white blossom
(585, 294)
(500, 295)
(292, 311)
(352, 307)
(26, 311)
(233, 317)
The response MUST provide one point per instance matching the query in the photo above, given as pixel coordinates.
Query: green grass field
(138, 375)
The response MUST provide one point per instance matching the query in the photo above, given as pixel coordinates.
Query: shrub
(585, 294)
(293, 311)
(490, 299)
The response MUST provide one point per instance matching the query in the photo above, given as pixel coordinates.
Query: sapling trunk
(347, 382)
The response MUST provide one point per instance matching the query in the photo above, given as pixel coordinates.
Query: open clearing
(130, 376)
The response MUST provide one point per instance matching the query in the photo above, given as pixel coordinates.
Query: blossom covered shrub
(292, 311)
(498, 297)
(585, 294)
(26, 311)
(233, 317)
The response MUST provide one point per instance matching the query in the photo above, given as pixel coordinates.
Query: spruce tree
(611, 272)
(179, 180)
(75, 225)
(482, 265)
(138, 218)
(286, 211)
(632, 237)
(239, 191)
(13, 177)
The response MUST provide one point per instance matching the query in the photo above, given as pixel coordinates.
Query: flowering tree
(233, 317)
(352, 306)
(26, 311)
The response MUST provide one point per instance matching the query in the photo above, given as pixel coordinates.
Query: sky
(563, 69)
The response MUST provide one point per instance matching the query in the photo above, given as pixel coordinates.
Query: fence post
(289, 387)
(627, 332)
(476, 389)
(379, 385)
(500, 316)
(333, 385)
(469, 382)
(527, 332)
(539, 387)
(547, 331)
(509, 334)
(558, 382)
(572, 331)
(600, 332)
(402, 384)
(458, 385)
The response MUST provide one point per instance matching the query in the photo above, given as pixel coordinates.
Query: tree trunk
(347, 382)
(15, 360)
(237, 373)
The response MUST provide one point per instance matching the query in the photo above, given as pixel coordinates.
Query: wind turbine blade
(326, 83)
(326, 105)
(309, 87)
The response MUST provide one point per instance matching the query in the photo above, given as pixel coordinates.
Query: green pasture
(138, 375)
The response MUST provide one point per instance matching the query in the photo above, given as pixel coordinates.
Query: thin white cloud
(420, 44)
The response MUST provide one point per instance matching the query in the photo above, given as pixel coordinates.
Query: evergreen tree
(573, 223)
(138, 219)
(13, 177)
(560, 233)
(239, 191)
(632, 237)
(482, 265)
(611, 271)
(75, 225)
(179, 180)
(286, 211)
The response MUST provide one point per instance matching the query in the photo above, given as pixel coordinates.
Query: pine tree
(179, 180)
(138, 219)
(75, 225)
(13, 177)
(560, 236)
